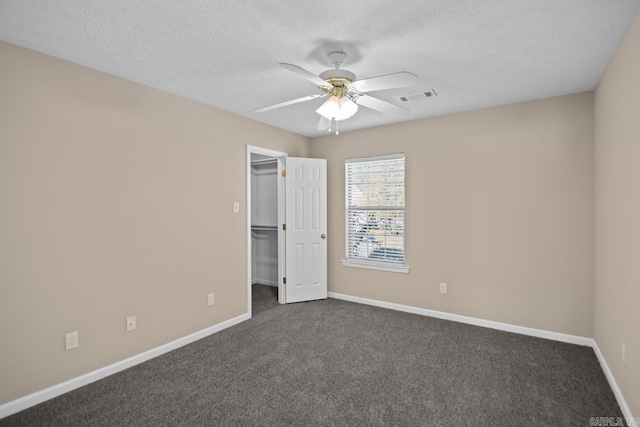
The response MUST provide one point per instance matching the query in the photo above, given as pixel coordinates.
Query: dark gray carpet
(333, 362)
(264, 298)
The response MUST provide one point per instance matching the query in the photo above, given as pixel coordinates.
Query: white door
(306, 228)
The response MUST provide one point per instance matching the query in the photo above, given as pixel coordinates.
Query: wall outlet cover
(71, 340)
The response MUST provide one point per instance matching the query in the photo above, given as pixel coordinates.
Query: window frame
(398, 267)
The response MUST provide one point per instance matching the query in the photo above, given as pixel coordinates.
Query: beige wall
(499, 206)
(115, 200)
(617, 202)
(111, 192)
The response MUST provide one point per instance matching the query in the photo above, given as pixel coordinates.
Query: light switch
(236, 207)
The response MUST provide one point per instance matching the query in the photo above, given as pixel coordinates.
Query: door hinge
(284, 280)
(284, 227)
(284, 172)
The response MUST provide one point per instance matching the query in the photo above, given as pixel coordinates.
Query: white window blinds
(375, 209)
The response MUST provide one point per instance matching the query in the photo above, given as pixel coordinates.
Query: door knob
(322, 236)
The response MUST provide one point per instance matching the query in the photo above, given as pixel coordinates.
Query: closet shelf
(264, 162)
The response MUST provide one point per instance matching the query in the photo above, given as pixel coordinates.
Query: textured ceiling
(225, 53)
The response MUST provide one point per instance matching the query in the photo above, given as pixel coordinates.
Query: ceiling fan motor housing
(340, 81)
(338, 74)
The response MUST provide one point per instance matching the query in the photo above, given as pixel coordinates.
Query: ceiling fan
(346, 93)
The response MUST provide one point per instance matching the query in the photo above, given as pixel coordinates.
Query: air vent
(416, 96)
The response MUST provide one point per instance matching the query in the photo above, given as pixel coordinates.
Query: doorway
(265, 214)
(279, 252)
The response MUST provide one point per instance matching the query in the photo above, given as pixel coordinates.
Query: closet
(264, 220)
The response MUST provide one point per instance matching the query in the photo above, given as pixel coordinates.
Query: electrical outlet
(236, 207)
(210, 299)
(443, 288)
(624, 355)
(131, 323)
(71, 340)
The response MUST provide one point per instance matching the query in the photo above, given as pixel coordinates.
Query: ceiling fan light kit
(337, 108)
(346, 93)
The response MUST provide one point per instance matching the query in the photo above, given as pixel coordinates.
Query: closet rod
(264, 227)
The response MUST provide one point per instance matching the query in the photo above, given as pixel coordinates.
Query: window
(375, 213)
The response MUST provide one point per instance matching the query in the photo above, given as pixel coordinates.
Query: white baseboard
(540, 333)
(624, 407)
(32, 399)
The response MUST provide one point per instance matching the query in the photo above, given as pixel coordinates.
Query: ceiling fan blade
(293, 101)
(388, 81)
(324, 123)
(306, 74)
(382, 106)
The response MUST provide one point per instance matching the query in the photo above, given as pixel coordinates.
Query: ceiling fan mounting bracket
(337, 58)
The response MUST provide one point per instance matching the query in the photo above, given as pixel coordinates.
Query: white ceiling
(225, 53)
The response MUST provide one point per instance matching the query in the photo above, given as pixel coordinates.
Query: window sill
(376, 266)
